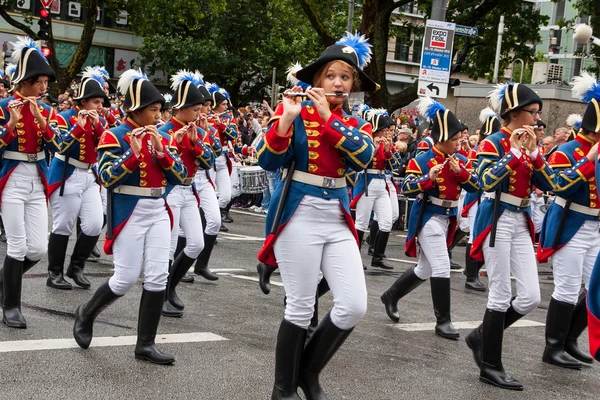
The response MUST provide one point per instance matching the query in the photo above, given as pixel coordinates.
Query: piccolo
(145, 130)
(451, 156)
(216, 114)
(22, 103)
(289, 93)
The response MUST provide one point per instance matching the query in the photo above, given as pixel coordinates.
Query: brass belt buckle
(446, 204)
(525, 202)
(329, 183)
(32, 157)
(155, 192)
(188, 181)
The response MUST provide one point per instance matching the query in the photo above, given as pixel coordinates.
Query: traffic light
(44, 23)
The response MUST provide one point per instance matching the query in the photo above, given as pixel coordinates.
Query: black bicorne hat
(202, 86)
(92, 85)
(185, 86)
(509, 97)
(30, 61)
(443, 123)
(378, 118)
(138, 91)
(354, 50)
(490, 122)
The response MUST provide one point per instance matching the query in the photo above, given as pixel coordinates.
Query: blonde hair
(474, 140)
(320, 75)
(401, 146)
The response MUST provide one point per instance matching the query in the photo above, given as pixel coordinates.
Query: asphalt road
(236, 360)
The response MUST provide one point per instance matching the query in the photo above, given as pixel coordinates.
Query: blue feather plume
(94, 73)
(429, 108)
(225, 93)
(212, 88)
(104, 72)
(585, 87)
(361, 46)
(182, 76)
(11, 69)
(23, 43)
(1, 74)
(497, 95)
(199, 78)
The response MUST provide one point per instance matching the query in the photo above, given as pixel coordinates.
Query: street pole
(274, 89)
(350, 15)
(438, 10)
(498, 48)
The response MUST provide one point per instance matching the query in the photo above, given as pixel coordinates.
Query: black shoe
(83, 248)
(440, 294)
(83, 329)
(323, 344)
(187, 278)
(453, 265)
(379, 249)
(176, 271)
(492, 372)
(579, 322)
(264, 277)
(223, 228)
(57, 250)
(145, 348)
(407, 282)
(288, 354)
(12, 279)
(95, 251)
(225, 217)
(558, 320)
(372, 239)
(472, 272)
(201, 267)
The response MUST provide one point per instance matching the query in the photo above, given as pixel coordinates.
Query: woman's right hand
(15, 114)
(435, 171)
(292, 105)
(137, 140)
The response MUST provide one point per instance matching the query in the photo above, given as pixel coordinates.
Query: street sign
(466, 31)
(432, 89)
(436, 58)
(46, 3)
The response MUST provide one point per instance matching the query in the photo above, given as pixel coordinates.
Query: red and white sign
(46, 3)
(439, 38)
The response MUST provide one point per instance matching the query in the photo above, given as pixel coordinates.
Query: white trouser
(143, 244)
(393, 200)
(537, 215)
(25, 214)
(463, 223)
(184, 208)
(222, 181)
(512, 254)
(81, 199)
(433, 260)
(103, 194)
(236, 185)
(378, 200)
(317, 238)
(208, 203)
(575, 261)
(471, 217)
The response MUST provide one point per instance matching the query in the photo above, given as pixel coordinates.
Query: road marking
(233, 236)
(224, 269)
(249, 278)
(55, 344)
(402, 236)
(430, 326)
(249, 213)
(402, 261)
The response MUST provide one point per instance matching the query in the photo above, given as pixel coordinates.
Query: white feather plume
(182, 76)
(290, 73)
(497, 95)
(574, 119)
(168, 97)
(583, 86)
(128, 77)
(485, 114)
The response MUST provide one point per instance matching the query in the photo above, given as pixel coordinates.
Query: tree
(590, 8)
(473, 55)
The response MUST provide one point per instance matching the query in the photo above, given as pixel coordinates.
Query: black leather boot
(474, 337)
(558, 321)
(288, 354)
(407, 282)
(83, 329)
(2, 232)
(225, 217)
(361, 235)
(181, 243)
(458, 236)
(492, 371)
(12, 279)
(440, 294)
(27, 265)
(374, 230)
(57, 250)
(264, 276)
(323, 344)
(145, 348)
(201, 267)
(472, 272)
(173, 305)
(83, 248)
(322, 288)
(227, 214)
(380, 245)
(579, 322)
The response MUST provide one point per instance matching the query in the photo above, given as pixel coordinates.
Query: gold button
(442, 196)
(21, 148)
(82, 140)
(592, 187)
(20, 124)
(20, 132)
(143, 165)
(164, 182)
(325, 192)
(82, 146)
(592, 204)
(593, 196)
(511, 188)
(39, 141)
(143, 182)
(143, 174)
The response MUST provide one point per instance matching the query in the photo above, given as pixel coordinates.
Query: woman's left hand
(317, 95)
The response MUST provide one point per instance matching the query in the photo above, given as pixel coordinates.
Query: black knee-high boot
(458, 236)
(181, 243)
(361, 235)
(558, 321)
(378, 259)
(85, 315)
(12, 280)
(145, 348)
(173, 306)
(57, 251)
(579, 322)
(373, 231)
(83, 248)
(264, 276)
(288, 354)
(407, 282)
(440, 294)
(201, 267)
(472, 272)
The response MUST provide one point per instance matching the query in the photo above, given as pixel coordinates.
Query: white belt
(376, 171)
(594, 212)
(442, 202)
(27, 157)
(73, 162)
(510, 199)
(139, 191)
(316, 180)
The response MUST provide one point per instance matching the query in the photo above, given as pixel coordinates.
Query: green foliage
(591, 9)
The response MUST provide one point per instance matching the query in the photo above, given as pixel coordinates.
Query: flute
(288, 93)
(21, 103)
(145, 130)
(213, 115)
(448, 159)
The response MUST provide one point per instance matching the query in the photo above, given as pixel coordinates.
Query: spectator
(549, 146)
(561, 136)
(474, 140)
(65, 105)
(405, 135)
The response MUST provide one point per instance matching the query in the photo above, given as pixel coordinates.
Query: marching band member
(437, 175)
(137, 165)
(491, 124)
(183, 200)
(377, 197)
(570, 232)
(27, 128)
(509, 163)
(315, 141)
(167, 111)
(73, 187)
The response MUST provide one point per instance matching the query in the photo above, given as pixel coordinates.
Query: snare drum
(251, 180)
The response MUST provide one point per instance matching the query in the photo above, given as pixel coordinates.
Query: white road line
(402, 261)
(249, 278)
(55, 344)
(224, 269)
(232, 236)
(403, 236)
(261, 215)
(430, 326)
